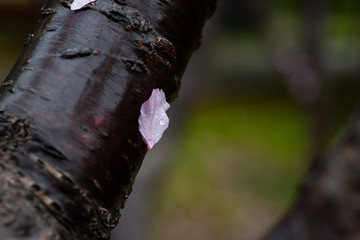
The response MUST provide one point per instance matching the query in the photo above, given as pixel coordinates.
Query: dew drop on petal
(162, 122)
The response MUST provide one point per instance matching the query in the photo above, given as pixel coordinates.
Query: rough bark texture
(70, 146)
(328, 206)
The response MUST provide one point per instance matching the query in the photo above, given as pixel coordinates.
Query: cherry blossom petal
(78, 4)
(153, 120)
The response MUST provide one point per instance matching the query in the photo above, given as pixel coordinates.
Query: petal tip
(79, 4)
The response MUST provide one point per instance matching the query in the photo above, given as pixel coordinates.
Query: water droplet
(162, 122)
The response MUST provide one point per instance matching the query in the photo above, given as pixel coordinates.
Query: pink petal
(78, 4)
(153, 120)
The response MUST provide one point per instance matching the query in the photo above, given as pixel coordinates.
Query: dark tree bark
(69, 141)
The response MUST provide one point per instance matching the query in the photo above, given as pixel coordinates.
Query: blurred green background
(271, 88)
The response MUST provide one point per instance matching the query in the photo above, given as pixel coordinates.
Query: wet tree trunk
(69, 141)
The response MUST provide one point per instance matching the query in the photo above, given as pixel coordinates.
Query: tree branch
(70, 146)
(328, 205)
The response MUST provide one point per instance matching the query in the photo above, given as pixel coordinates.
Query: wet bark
(69, 142)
